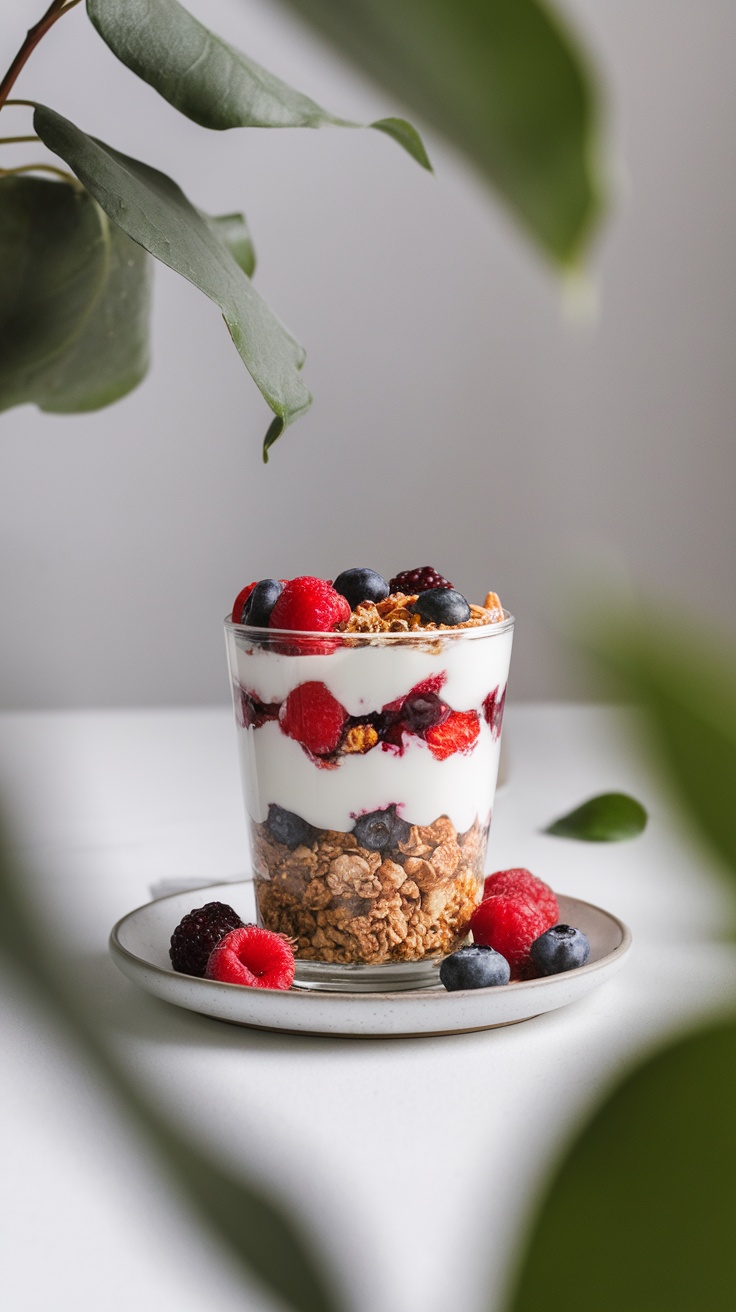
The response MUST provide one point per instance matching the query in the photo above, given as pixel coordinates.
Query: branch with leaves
(74, 268)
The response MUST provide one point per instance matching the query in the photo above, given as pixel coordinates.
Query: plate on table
(139, 945)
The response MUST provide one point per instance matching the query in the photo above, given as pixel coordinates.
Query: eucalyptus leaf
(234, 231)
(153, 210)
(256, 1230)
(608, 818)
(641, 1214)
(54, 253)
(209, 80)
(505, 81)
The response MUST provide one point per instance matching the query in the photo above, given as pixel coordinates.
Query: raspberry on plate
(456, 734)
(254, 957)
(198, 933)
(313, 717)
(522, 883)
(309, 604)
(410, 581)
(510, 925)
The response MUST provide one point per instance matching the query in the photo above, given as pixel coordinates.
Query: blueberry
(561, 948)
(263, 598)
(442, 606)
(474, 967)
(286, 827)
(422, 710)
(377, 829)
(357, 585)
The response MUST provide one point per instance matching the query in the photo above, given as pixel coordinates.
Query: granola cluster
(394, 615)
(344, 903)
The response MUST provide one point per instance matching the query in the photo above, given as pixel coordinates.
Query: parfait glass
(369, 765)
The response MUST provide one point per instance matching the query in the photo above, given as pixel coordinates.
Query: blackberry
(198, 933)
(410, 581)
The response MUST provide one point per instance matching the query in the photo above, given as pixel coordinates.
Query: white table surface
(411, 1161)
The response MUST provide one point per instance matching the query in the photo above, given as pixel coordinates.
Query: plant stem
(12, 141)
(34, 34)
(44, 168)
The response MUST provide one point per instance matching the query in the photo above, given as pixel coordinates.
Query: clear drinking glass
(369, 766)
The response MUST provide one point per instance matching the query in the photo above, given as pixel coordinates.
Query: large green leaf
(154, 211)
(234, 231)
(505, 82)
(607, 818)
(641, 1215)
(210, 81)
(258, 1231)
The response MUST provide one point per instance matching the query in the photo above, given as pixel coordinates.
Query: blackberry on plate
(442, 606)
(377, 830)
(561, 948)
(260, 603)
(198, 933)
(357, 585)
(410, 581)
(474, 967)
(287, 827)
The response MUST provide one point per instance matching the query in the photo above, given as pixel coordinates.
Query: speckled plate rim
(400, 1014)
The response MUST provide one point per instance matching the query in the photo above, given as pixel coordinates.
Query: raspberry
(198, 933)
(493, 710)
(456, 734)
(522, 883)
(254, 957)
(510, 925)
(410, 581)
(239, 603)
(308, 604)
(313, 717)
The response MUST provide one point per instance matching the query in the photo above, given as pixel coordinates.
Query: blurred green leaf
(608, 818)
(234, 231)
(641, 1215)
(153, 210)
(506, 83)
(259, 1233)
(210, 81)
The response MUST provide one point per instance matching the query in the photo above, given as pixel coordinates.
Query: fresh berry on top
(410, 581)
(309, 604)
(313, 717)
(287, 827)
(377, 830)
(239, 603)
(455, 734)
(476, 966)
(254, 957)
(522, 883)
(510, 925)
(260, 603)
(561, 948)
(198, 933)
(357, 585)
(441, 606)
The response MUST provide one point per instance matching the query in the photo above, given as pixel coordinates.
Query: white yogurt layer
(276, 769)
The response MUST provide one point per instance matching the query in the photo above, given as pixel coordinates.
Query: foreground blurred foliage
(641, 1213)
(502, 78)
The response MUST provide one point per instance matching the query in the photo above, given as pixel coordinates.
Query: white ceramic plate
(139, 945)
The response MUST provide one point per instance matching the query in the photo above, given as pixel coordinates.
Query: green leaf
(641, 1215)
(234, 231)
(210, 81)
(154, 211)
(608, 818)
(506, 83)
(259, 1233)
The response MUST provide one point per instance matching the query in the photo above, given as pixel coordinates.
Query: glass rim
(476, 632)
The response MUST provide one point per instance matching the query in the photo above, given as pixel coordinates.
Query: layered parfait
(369, 720)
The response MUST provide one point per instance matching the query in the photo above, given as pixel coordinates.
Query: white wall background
(457, 420)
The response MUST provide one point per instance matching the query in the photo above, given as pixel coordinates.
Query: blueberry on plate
(357, 585)
(561, 948)
(474, 967)
(376, 830)
(263, 598)
(442, 606)
(287, 827)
